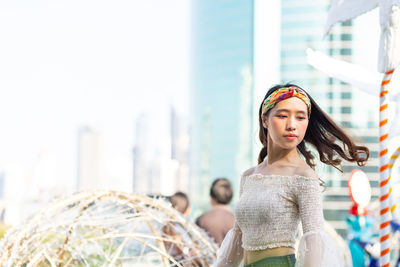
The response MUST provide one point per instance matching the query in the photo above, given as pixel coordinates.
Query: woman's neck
(276, 154)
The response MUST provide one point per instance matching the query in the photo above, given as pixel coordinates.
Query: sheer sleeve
(316, 247)
(230, 254)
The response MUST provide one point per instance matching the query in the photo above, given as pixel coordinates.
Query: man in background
(220, 219)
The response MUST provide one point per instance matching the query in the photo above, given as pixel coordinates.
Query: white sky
(64, 64)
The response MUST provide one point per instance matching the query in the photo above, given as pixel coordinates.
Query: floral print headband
(284, 93)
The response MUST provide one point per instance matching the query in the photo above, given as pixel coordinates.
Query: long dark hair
(331, 142)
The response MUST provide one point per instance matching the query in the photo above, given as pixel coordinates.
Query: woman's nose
(291, 124)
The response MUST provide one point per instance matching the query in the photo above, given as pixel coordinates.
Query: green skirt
(279, 261)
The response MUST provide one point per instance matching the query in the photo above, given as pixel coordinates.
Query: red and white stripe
(384, 181)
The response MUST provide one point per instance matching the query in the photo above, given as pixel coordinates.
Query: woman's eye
(301, 118)
(281, 116)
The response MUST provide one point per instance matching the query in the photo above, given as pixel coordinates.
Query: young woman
(283, 189)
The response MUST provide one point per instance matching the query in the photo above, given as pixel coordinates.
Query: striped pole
(393, 159)
(393, 207)
(384, 228)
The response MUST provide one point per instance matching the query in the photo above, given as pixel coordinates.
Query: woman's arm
(316, 247)
(230, 254)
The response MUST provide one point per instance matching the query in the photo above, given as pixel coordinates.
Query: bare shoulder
(307, 172)
(249, 171)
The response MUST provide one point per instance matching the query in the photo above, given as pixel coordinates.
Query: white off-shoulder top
(271, 206)
(267, 215)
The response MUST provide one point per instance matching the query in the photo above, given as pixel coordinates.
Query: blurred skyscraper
(179, 151)
(221, 93)
(91, 172)
(141, 151)
(160, 161)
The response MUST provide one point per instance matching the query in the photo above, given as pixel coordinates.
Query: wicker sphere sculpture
(107, 228)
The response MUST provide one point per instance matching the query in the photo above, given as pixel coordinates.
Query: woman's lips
(291, 137)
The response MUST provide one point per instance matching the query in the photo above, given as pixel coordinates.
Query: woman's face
(287, 123)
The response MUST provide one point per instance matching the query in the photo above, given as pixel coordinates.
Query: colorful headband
(284, 93)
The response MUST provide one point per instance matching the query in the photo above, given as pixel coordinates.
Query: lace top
(267, 215)
(271, 206)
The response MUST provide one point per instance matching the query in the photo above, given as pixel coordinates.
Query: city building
(222, 94)
(141, 151)
(180, 150)
(91, 172)
(160, 153)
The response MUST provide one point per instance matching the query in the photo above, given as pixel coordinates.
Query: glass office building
(221, 94)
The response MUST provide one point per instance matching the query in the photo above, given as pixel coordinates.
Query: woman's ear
(264, 119)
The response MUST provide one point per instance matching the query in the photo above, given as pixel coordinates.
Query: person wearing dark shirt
(220, 219)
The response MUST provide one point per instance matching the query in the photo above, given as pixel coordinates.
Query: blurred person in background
(176, 231)
(283, 189)
(220, 219)
(180, 202)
